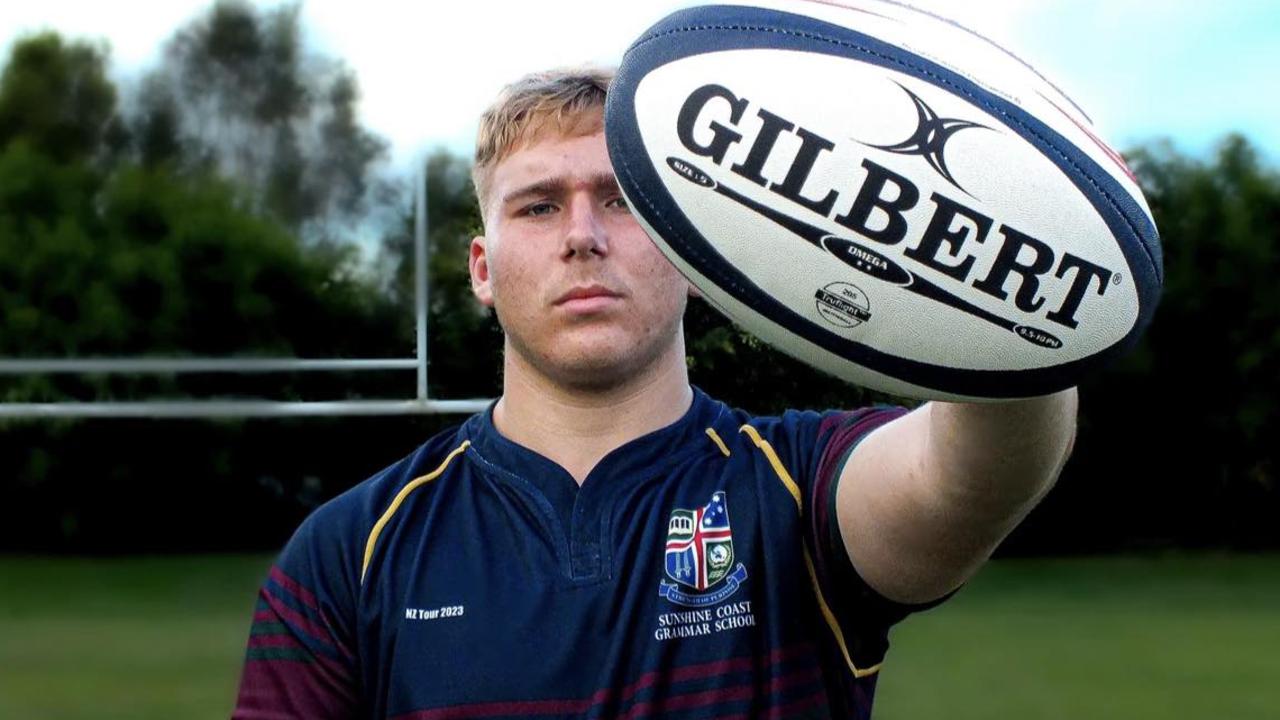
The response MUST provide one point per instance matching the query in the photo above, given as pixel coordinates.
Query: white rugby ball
(885, 195)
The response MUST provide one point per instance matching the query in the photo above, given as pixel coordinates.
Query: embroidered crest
(699, 554)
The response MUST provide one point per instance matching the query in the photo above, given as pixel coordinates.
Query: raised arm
(925, 500)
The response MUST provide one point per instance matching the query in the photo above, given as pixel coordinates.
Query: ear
(478, 264)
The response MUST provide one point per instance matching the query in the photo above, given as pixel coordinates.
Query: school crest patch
(699, 555)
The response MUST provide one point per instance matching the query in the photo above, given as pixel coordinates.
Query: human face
(583, 295)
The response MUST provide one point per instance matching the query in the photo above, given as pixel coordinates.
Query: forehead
(552, 155)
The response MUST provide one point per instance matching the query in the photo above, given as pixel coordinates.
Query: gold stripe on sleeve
(715, 437)
(395, 505)
(781, 471)
(778, 468)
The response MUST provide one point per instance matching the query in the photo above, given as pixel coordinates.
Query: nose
(585, 235)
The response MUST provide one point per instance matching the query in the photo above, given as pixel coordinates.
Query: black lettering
(871, 196)
(940, 231)
(1085, 271)
(722, 137)
(811, 146)
(761, 147)
(1007, 263)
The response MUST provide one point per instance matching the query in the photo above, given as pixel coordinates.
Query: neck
(576, 428)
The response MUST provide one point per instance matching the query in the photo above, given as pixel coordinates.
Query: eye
(619, 203)
(539, 208)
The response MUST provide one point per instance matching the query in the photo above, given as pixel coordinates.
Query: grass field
(1080, 639)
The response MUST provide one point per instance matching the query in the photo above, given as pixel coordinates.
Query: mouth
(587, 298)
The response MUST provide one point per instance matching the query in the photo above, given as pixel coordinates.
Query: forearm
(994, 461)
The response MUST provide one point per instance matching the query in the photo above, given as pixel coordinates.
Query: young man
(607, 541)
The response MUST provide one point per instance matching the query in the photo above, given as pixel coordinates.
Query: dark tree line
(1180, 441)
(202, 210)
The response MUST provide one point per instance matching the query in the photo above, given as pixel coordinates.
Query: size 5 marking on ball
(842, 304)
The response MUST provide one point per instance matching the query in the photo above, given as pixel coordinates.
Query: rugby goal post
(420, 404)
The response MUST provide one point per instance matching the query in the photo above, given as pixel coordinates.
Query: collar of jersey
(637, 460)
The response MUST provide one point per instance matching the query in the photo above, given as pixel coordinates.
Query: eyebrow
(557, 185)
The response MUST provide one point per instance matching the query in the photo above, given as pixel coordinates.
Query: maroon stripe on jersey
(719, 695)
(689, 701)
(798, 677)
(263, 641)
(519, 708)
(791, 709)
(299, 622)
(293, 586)
(308, 599)
(784, 712)
(259, 643)
(275, 689)
(845, 432)
(650, 679)
(704, 670)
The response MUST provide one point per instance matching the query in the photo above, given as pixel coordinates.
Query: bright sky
(1187, 69)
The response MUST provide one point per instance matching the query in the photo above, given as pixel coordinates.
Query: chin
(607, 368)
(592, 364)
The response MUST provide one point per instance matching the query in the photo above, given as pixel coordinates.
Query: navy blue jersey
(697, 572)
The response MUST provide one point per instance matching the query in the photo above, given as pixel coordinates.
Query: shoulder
(807, 421)
(805, 449)
(800, 432)
(426, 462)
(340, 527)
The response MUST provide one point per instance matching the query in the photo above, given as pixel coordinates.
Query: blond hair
(565, 100)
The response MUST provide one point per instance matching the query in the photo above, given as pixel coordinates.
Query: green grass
(1095, 639)
(126, 639)
(1079, 639)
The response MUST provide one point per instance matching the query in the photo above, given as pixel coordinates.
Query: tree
(1215, 351)
(1178, 440)
(240, 93)
(465, 342)
(56, 97)
(102, 255)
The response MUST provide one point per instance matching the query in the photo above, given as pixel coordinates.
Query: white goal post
(421, 403)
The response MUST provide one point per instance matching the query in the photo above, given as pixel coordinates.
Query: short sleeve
(300, 661)
(814, 447)
(840, 435)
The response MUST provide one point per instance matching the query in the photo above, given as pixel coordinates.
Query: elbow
(1070, 429)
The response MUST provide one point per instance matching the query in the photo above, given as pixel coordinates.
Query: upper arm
(919, 516)
(885, 520)
(811, 448)
(300, 661)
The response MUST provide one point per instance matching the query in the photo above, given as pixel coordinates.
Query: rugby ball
(885, 195)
